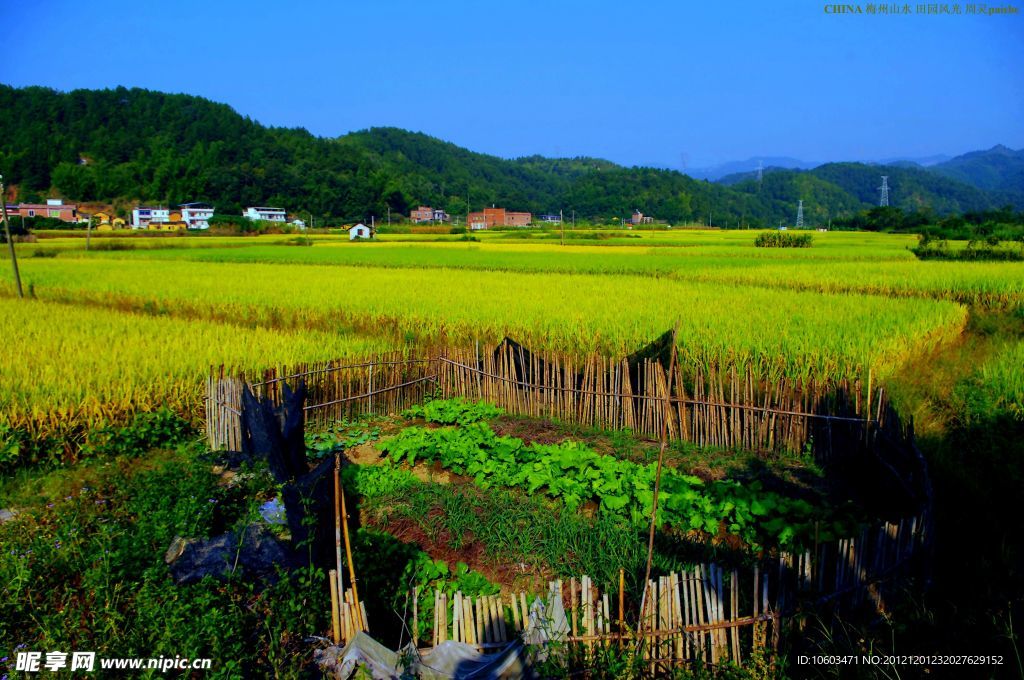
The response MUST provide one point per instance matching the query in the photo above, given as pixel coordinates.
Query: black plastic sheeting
(529, 370)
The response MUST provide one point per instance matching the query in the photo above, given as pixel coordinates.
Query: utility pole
(389, 218)
(10, 240)
(573, 219)
(561, 223)
(88, 233)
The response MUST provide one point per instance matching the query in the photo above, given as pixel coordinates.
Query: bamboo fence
(709, 613)
(727, 408)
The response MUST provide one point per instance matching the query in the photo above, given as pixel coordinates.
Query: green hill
(124, 146)
(999, 169)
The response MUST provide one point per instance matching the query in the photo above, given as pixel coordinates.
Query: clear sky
(634, 82)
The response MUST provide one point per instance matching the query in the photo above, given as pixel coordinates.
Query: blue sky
(637, 83)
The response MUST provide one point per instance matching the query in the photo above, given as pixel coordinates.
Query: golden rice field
(800, 334)
(113, 331)
(67, 366)
(846, 265)
(1002, 380)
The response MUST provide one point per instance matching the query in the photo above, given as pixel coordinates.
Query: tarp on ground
(450, 659)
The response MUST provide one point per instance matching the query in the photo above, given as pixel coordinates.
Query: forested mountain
(124, 146)
(999, 169)
(842, 187)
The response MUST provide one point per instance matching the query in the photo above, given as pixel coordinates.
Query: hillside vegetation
(123, 146)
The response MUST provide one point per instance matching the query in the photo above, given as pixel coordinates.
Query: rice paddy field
(135, 322)
(75, 365)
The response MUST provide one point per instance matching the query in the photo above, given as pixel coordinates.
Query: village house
(196, 215)
(359, 231)
(639, 218)
(105, 222)
(54, 207)
(498, 217)
(425, 213)
(143, 216)
(551, 219)
(266, 214)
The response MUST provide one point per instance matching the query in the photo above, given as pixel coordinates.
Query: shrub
(782, 239)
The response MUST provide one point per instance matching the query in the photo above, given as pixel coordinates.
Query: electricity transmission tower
(885, 191)
(760, 172)
(800, 215)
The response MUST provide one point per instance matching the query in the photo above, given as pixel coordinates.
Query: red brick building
(498, 217)
(424, 213)
(52, 208)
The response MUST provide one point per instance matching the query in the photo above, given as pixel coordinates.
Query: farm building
(197, 214)
(104, 222)
(142, 216)
(266, 214)
(54, 207)
(425, 213)
(498, 217)
(359, 231)
(639, 218)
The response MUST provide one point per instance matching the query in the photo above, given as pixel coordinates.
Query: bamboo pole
(661, 457)
(335, 612)
(622, 605)
(361, 623)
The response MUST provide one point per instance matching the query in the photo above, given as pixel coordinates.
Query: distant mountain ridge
(716, 173)
(125, 146)
(999, 169)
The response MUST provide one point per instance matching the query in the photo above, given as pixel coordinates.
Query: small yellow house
(173, 223)
(101, 220)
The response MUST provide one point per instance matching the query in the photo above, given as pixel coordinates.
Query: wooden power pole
(10, 240)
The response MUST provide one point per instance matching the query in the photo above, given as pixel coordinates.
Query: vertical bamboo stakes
(469, 624)
(481, 636)
(573, 606)
(734, 600)
(622, 606)
(499, 603)
(342, 516)
(516, 620)
(415, 616)
(689, 649)
(332, 576)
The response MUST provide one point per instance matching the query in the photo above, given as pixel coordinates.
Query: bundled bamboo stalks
(484, 622)
(348, 617)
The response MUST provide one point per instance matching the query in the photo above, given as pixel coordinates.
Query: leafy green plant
(162, 427)
(453, 411)
(574, 474)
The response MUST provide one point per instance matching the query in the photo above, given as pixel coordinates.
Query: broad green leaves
(575, 474)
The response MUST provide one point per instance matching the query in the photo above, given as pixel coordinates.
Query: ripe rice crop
(69, 367)
(851, 268)
(799, 334)
(1001, 381)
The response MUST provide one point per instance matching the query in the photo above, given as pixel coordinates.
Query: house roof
(196, 204)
